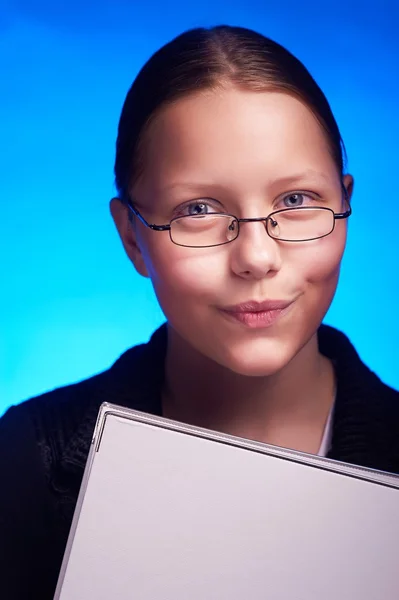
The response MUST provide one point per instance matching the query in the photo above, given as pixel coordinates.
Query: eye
(197, 207)
(295, 200)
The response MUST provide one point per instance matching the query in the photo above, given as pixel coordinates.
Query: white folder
(167, 511)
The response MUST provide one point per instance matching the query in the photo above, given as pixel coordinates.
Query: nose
(254, 254)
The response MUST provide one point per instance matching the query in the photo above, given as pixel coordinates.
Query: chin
(256, 369)
(262, 363)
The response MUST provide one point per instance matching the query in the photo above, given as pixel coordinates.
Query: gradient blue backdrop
(70, 301)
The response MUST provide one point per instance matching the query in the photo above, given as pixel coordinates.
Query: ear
(126, 225)
(348, 183)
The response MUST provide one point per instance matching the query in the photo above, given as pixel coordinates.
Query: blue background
(70, 301)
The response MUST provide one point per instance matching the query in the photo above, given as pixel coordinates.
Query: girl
(234, 201)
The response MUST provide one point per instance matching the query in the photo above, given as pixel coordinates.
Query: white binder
(172, 512)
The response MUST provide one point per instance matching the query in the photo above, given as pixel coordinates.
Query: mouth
(258, 314)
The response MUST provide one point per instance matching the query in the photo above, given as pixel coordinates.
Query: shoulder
(366, 413)
(34, 432)
(59, 412)
(59, 424)
(350, 368)
(41, 411)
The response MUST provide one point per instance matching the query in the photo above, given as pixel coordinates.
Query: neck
(289, 408)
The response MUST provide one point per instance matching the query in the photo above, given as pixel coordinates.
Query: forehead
(235, 138)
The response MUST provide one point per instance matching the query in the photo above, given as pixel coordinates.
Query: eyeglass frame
(168, 227)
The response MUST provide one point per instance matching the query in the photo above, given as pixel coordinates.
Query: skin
(246, 151)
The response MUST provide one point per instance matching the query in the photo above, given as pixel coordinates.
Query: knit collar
(360, 432)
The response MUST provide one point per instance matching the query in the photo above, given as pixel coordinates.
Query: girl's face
(244, 153)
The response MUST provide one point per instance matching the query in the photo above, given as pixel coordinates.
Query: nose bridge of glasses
(263, 222)
(253, 220)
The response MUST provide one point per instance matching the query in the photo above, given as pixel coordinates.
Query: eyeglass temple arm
(343, 215)
(348, 212)
(146, 223)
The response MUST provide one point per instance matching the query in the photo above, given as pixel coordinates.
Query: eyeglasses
(302, 224)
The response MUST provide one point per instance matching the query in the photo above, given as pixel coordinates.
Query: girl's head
(225, 120)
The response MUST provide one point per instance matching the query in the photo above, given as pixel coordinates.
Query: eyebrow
(288, 180)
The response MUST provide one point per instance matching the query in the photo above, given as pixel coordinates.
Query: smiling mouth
(257, 318)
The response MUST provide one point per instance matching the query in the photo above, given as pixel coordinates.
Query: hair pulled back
(205, 59)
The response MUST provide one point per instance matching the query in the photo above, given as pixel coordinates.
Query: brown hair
(201, 59)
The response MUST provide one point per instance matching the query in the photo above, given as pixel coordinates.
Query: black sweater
(44, 444)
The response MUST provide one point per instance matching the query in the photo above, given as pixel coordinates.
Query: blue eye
(196, 208)
(294, 200)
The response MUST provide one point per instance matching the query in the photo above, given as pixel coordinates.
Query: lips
(254, 306)
(258, 314)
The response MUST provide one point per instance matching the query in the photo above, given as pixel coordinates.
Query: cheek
(322, 263)
(315, 268)
(178, 272)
